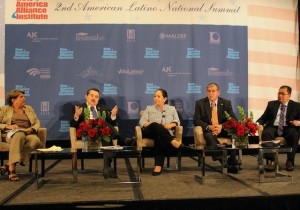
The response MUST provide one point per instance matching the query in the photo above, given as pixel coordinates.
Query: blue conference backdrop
(56, 64)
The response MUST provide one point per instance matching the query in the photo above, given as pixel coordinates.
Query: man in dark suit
(203, 117)
(270, 119)
(92, 98)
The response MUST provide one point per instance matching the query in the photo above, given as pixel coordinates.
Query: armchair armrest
(138, 134)
(178, 133)
(198, 136)
(260, 129)
(73, 137)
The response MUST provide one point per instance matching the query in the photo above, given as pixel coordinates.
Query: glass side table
(201, 152)
(43, 154)
(277, 176)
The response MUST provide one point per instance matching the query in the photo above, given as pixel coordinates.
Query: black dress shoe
(289, 166)
(221, 162)
(130, 141)
(232, 169)
(155, 173)
(181, 146)
(270, 167)
(112, 174)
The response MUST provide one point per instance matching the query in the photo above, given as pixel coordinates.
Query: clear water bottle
(84, 144)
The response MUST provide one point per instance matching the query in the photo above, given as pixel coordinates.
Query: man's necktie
(214, 114)
(94, 112)
(281, 120)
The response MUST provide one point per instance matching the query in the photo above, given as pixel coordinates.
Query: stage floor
(174, 189)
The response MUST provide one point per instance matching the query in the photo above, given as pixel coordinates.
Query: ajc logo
(32, 34)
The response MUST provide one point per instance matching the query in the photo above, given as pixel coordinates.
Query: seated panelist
(158, 123)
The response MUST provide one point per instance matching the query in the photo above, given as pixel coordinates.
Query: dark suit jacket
(202, 114)
(101, 108)
(269, 115)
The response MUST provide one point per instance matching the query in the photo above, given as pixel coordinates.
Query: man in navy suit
(291, 122)
(203, 118)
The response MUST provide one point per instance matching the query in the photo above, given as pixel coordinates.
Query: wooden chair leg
(30, 164)
(82, 163)
(115, 164)
(143, 162)
(139, 162)
(178, 161)
(43, 166)
(2, 158)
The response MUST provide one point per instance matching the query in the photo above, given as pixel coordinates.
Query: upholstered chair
(146, 144)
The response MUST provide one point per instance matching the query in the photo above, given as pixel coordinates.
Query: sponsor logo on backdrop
(88, 72)
(31, 10)
(233, 89)
(214, 38)
(212, 71)
(193, 88)
(24, 88)
(133, 109)
(66, 90)
(44, 73)
(151, 88)
(21, 54)
(34, 36)
(82, 36)
(110, 89)
(192, 53)
(45, 108)
(130, 35)
(172, 72)
(64, 126)
(232, 54)
(133, 72)
(151, 53)
(165, 36)
(109, 53)
(65, 54)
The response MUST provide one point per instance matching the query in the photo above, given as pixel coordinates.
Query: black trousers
(290, 134)
(162, 141)
(212, 141)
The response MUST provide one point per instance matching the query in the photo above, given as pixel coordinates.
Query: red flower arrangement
(242, 128)
(94, 131)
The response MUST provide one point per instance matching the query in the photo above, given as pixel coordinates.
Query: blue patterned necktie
(281, 120)
(94, 112)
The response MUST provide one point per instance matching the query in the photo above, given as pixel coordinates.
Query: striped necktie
(281, 120)
(214, 114)
(94, 112)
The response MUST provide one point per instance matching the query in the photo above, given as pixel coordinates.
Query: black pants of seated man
(107, 169)
(121, 140)
(212, 141)
(290, 134)
(162, 141)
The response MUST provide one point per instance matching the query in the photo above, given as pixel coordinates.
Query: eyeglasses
(283, 94)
